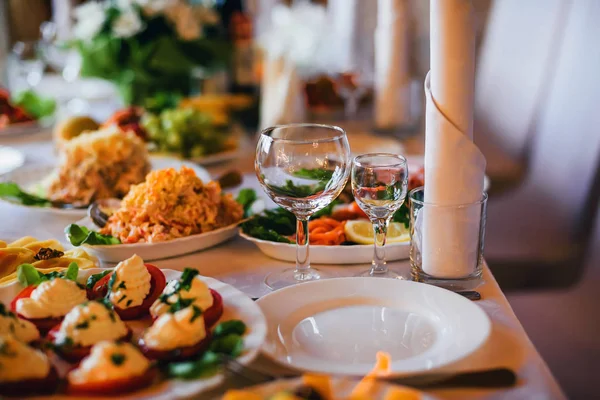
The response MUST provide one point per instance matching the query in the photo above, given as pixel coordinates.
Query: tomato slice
(30, 387)
(23, 294)
(179, 354)
(157, 285)
(75, 354)
(100, 288)
(214, 312)
(113, 387)
(43, 324)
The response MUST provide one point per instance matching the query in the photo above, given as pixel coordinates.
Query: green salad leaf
(72, 272)
(91, 281)
(34, 104)
(328, 210)
(28, 275)
(315, 173)
(246, 197)
(272, 225)
(12, 192)
(79, 235)
(231, 345)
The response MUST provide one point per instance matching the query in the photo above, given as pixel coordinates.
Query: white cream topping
(90, 323)
(51, 299)
(132, 284)
(21, 329)
(174, 330)
(19, 361)
(110, 361)
(198, 291)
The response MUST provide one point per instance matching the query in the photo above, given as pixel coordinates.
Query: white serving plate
(115, 253)
(30, 175)
(236, 305)
(354, 254)
(10, 159)
(21, 129)
(342, 388)
(336, 326)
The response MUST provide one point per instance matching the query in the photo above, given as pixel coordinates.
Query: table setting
(140, 259)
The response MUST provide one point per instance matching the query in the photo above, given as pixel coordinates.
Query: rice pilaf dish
(171, 204)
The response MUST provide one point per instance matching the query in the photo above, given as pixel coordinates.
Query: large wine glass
(303, 168)
(379, 185)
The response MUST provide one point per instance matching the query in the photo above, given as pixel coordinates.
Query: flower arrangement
(148, 47)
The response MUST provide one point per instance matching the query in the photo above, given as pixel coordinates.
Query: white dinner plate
(342, 388)
(236, 305)
(28, 176)
(21, 129)
(155, 251)
(352, 254)
(10, 159)
(336, 326)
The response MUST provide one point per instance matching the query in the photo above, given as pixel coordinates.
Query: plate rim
(487, 329)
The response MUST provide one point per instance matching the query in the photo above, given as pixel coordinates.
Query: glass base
(454, 284)
(288, 277)
(390, 273)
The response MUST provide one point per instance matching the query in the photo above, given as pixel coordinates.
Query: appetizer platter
(323, 387)
(134, 329)
(171, 213)
(102, 164)
(339, 233)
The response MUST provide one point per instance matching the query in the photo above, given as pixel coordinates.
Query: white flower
(127, 24)
(186, 23)
(90, 19)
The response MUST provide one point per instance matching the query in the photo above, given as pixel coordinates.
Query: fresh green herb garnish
(272, 225)
(122, 285)
(95, 278)
(298, 191)
(187, 277)
(180, 304)
(129, 302)
(12, 192)
(79, 235)
(246, 198)
(121, 299)
(234, 326)
(403, 215)
(197, 313)
(5, 312)
(117, 358)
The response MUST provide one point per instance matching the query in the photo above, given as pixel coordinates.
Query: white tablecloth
(242, 265)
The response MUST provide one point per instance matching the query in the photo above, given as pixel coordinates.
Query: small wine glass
(379, 185)
(303, 168)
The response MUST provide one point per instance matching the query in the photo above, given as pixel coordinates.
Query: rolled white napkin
(454, 166)
(392, 66)
(282, 94)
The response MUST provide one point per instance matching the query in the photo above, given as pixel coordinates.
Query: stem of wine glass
(380, 227)
(302, 250)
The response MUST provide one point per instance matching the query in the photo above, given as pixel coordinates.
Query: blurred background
(223, 66)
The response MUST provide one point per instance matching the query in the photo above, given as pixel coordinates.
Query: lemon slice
(361, 231)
